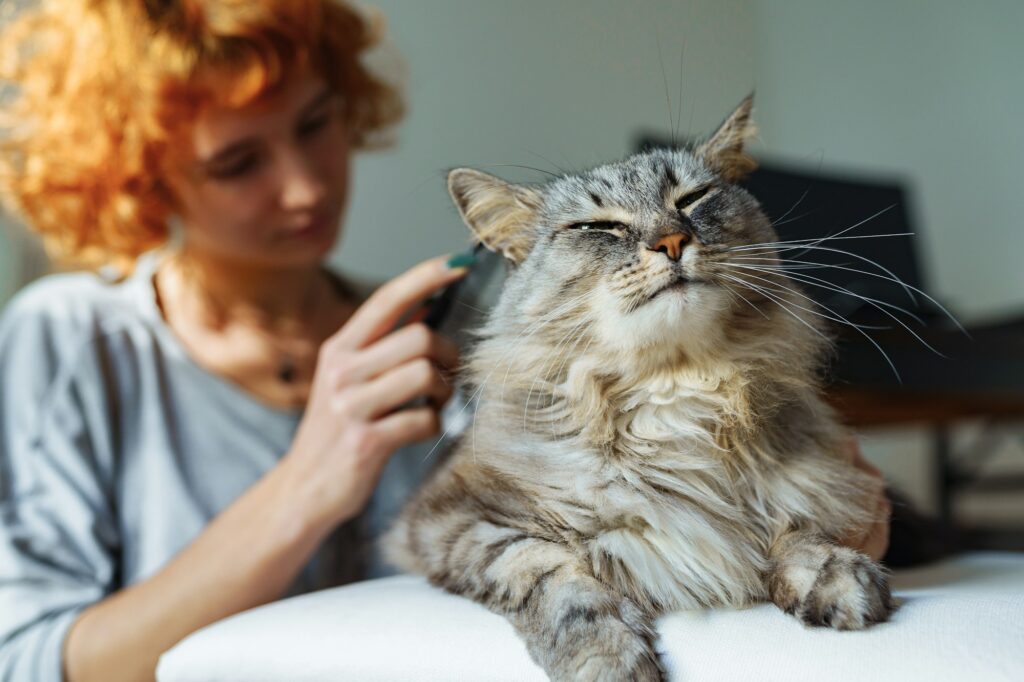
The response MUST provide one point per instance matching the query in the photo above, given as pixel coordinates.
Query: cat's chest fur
(667, 515)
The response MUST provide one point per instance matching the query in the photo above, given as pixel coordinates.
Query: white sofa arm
(960, 620)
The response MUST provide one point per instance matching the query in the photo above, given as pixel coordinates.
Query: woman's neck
(224, 290)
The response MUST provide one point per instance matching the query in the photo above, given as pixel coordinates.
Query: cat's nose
(672, 244)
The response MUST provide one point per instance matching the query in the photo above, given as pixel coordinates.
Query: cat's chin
(686, 313)
(680, 285)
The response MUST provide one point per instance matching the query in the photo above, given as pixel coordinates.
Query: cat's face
(640, 244)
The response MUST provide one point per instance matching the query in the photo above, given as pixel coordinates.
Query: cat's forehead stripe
(670, 175)
(632, 184)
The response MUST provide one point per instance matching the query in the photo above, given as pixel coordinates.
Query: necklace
(288, 360)
(293, 352)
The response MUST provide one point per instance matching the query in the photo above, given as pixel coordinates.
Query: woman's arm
(247, 556)
(252, 551)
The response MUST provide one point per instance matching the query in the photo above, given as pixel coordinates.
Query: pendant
(286, 370)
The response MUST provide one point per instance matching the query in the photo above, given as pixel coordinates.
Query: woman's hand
(874, 539)
(363, 373)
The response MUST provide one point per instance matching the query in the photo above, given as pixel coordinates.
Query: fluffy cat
(649, 433)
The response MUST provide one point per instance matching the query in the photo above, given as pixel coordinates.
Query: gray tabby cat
(650, 434)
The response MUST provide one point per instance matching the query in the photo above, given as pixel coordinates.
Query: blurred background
(923, 98)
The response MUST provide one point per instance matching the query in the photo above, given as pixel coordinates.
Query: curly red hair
(98, 95)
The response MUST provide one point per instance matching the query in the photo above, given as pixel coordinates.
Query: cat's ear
(724, 151)
(501, 215)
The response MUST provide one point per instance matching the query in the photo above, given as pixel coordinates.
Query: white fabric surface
(961, 620)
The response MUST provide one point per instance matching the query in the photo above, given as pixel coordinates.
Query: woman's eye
(235, 168)
(313, 126)
(691, 198)
(597, 225)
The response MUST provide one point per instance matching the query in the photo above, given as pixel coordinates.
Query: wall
(930, 92)
(533, 82)
(547, 84)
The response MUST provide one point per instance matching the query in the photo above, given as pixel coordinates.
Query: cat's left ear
(502, 215)
(724, 152)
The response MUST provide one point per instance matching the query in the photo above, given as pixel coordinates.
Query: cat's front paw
(608, 647)
(833, 586)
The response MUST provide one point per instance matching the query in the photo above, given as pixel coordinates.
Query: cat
(649, 431)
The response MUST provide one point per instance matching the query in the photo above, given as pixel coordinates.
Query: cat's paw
(610, 647)
(847, 591)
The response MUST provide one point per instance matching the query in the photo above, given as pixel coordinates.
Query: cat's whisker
(668, 99)
(825, 284)
(519, 341)
(565, 362)
(561, 170)
(854, 226)
(679, 110)
(553, 356)
(835, 317)
(515, 345)
(792, 208)
(891, 275)
(746, 300)
(781, 265)
(793, 219)
(473, 308)
(863, 333)
(875, 303)
(535, 326)
(519, 165)
(555, 409)
(819, 240)
(771, 246)
(813, 243)
(753, 287)
(892, 278)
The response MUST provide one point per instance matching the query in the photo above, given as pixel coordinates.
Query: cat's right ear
(724, 152)
(502, 215)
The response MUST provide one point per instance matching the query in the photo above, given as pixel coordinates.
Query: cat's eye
(598, 225)
(691, 198)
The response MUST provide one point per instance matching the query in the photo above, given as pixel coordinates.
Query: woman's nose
(302, 185)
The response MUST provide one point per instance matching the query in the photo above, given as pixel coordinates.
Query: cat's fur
(635, 454)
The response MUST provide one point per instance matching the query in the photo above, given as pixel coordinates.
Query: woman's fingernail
(461, 260)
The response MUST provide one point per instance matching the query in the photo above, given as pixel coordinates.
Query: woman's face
(266, 184)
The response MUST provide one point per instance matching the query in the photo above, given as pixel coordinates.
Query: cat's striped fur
(638, 447)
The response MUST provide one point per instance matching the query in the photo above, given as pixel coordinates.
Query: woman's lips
(311, 229)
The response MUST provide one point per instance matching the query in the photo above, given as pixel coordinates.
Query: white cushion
(960, 620)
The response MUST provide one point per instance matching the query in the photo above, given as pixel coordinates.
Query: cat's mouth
(678, 284)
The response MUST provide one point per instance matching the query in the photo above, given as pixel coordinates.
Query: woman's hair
(98, 96)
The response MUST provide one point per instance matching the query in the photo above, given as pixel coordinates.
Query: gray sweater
(116, 449)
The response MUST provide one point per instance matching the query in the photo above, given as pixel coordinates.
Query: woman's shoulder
(71, 300)
(50, 320)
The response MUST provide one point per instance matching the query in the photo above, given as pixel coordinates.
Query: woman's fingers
(876, 542)
(874, 539)
(382, 310)
(408, 426)
(419, 377)
(400, 346)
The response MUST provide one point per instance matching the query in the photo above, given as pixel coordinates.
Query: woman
(205, 435)
(151, 430)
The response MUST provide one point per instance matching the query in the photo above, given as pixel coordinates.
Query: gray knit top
(116, 449)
